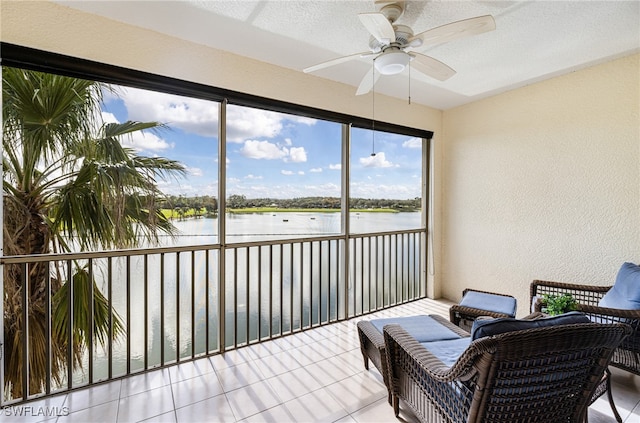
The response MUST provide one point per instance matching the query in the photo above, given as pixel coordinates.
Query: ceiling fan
(392, 45)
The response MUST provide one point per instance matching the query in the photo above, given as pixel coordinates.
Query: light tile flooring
(314, 376)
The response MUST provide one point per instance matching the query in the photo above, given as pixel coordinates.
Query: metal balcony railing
(181, 303)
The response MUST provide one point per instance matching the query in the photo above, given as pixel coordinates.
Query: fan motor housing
(403, 34)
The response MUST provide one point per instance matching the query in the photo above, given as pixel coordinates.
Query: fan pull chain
(409, 82)
(373, 110)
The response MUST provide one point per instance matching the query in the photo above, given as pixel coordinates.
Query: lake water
(263, 226)
(190, 272)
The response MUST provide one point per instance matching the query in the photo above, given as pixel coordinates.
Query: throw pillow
(489, 327)
(625, 292)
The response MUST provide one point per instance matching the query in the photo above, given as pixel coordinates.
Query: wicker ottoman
(425, 328)
(476, 303)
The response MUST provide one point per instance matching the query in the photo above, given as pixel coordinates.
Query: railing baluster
(329, 281)
(259, 293)
(369, 274)
(301, 279)
(340, 274)
(162, 323)
(362, 275)
(47, 310)
(128, 302)
(417, 246)
(26, 365)
(281, 285)
(70, 312)
(386, 248)
(146, 310)
(91, 320)
(178, 307)
(235, 297)
(207, 347)
(311, 284)
(291, 284)
(319, 282)
(247, 284)
(270, 290)
(110, 328)
(402, 279)
(397, 279)
(193, 304)
(376, 274)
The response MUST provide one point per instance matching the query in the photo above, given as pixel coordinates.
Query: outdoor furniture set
(501, 369)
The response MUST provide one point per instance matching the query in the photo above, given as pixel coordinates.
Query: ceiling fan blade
(336, 61)
(431, 67)
(379, 26)
(368, 81)
(453, 31)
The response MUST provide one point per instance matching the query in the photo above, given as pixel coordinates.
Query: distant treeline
(209, 204)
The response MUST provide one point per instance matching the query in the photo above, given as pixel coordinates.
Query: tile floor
(315, 376)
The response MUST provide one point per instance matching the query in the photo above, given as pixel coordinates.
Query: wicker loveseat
(537, 375)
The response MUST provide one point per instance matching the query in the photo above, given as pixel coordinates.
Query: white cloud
(254, 177)
(379, 160)
(337, 166)
(145, 141)
(201, 116)
(300, 172)
(194, 171)
(189, 114)
(109, 117)
(246, 123)
(316, 170)
(413, 143)
(297, 155)
(288, 141)
(263, 150)
(286, 172)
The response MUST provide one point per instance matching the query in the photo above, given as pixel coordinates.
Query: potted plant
(558, 304)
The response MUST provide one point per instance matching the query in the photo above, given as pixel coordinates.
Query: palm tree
(68, 184)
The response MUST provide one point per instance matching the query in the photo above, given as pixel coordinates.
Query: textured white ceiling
(533, 40)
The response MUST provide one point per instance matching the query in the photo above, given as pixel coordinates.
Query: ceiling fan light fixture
(392, 62)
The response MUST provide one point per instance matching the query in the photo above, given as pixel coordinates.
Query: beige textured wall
(543, 182)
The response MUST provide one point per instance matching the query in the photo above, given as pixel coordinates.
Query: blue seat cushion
(489, 327)
(448, 351)
(625, 292)
(422, 328)
(490, 302)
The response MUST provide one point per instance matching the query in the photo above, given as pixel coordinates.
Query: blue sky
(268, 154)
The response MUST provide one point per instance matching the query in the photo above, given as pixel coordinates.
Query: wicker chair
(627, 355)
(535, 375)
(464, 315)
